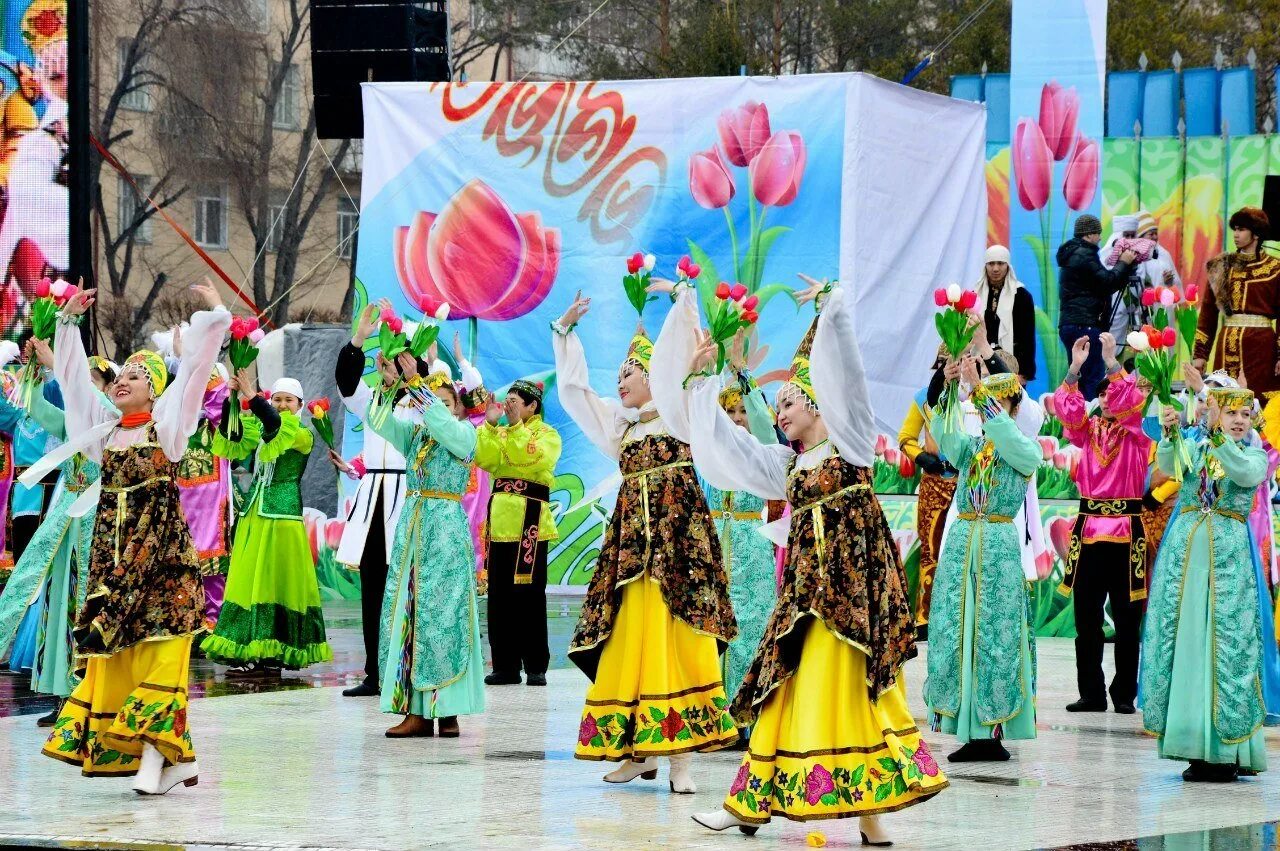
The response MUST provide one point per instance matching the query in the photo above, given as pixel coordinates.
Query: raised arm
(841, 383)
(177, 411)
(956, 444)
(1244, 465)
(597, 418)
(727, 456)
(670, 363)
(759, 417)
(84, 406)
(457, 436)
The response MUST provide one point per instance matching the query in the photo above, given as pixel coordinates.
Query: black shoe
(365, 689)
(1208, 772)
(1121, 708)
(980, 750)
(497, 679)
(48, 720)
(535, 679)
(1083, 705)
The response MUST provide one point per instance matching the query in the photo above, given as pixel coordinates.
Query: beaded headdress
(1003, 385)
(150, 365)
(640, 352)
(1232, 398)
(529, 388)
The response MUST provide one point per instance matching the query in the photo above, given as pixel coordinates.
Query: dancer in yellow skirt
(145, 600)
(657, 612)
(833, 736)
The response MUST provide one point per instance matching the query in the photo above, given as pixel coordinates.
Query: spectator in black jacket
(1085, 288)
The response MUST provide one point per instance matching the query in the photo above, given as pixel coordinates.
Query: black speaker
(1271, 204)
(358, 41)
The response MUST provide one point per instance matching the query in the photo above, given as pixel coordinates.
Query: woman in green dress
(981, 684)
(271, 615)
(1202, 643)
(429, 656)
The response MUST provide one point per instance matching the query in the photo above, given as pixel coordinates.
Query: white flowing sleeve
(598, 418)
(177, 411)
(670, 364)
(728, 456)
(357, 404)
(840, 382)
(85, 407)
(470, 377)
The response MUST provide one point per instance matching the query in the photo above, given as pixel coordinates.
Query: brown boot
(412, 727)
(449, 727)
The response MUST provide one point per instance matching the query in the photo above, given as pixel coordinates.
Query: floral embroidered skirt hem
(822, 749)
(657, 690)
(134, 697)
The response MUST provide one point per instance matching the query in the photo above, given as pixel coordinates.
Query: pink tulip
(333, 533)
(737, 292)
(1192, 293)
(1059, 109)
(357, 465)
(891, 455)
(694, 270)
(1169, 337)
(940, 298)
(69, 293)
(58, 288)
(396, 324)
(1032, 165)
(478, 256)
(776, 172)
(1048, 446)
(1059, 535)
(968, 300)
(743, 132)
(751, 303)
(1059, 461)
(313, 535)
(255, 336)
(1081, 181)
(386, 315)
(1149, 297)
(1049, 404)
(710, 182)
(882, 443)
(237, 328)
(43, 287)
(251, 323)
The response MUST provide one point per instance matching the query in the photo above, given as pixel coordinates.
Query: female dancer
(271, 614)
(55, 566)
(128, 716)
(833, 735)
(657, 610)
(981, 683)
(1202, 650)
(430, 656)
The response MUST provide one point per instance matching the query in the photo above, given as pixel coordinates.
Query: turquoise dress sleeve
(1244, 465)
(956, 445)
(49, 416)
(1015, 448)
(393, 430)
(457, 436)
(759, 418)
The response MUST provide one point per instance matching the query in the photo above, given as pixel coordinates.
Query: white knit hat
(292, 386)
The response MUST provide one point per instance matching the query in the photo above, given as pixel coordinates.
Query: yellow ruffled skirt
(658, 690)
(821, 748)
(135, 697)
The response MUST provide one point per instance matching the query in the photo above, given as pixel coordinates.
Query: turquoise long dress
(1202, 643)
(982, 664)
(53, 570)
(748, 556)
(429, 653)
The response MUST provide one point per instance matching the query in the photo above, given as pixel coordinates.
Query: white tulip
(442, 312)
(953, 293)
(57, 288)
(1166, 296)
(649, 262)
(1138, 341)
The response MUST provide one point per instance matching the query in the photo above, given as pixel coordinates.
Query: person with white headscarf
(1009, 312)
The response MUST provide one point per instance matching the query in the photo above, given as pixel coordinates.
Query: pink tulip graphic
(743, 132)
(1081, 181)
(333, 529)
(1059, 109)
(1033, 165)
(777, 169)
(1059, 529)
(480, 257)
(709, 180)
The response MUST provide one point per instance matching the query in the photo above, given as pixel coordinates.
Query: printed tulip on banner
(775, 162)
(1081, 181)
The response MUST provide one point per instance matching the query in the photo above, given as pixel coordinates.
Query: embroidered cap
(151, 365)
(640, 352)
(1232, 398)
(1003, 385)
(529, 388)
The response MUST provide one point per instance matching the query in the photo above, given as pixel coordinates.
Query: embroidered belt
(535, 496)
(736, 515)
(819, 528)
(122, 503)
(453, 497)
(1110, 507)
(1246, 320)
(1115, 508)
(1222, 512)
(982, 515)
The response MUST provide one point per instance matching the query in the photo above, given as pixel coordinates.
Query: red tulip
(694, 270)
(940, 298)
(238, 331)
(1149, 297)
(1192, 293)
(710, 182)
(722, 291)
(750, 317)
(683, 264)
(477, 255)
(333, 532)
(737, 292)
(1081, 181)
(244, 403)
(906, 467)
(751, 302)
(1154, 336)
(43, 287)
(968, 300)
(635, 263)
(777, 170)
(1170, 338)
(1032, 165)
(396, 324)
(743, 132)
(1059, 109)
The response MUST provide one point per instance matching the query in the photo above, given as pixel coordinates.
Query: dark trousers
(1094, 371)
(1103, 571)
(373, 584)
(518, 617)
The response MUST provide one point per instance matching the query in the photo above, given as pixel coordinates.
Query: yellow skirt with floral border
(658, 688)
(822, 749)
(134, 697)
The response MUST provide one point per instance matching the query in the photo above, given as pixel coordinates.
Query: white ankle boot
(872, 833)
(718, 820)
(628, 771)
(681, 780)
(147, 780)
(186, 773)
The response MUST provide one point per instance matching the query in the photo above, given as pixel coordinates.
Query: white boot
(723, 820)
(681, 780)
(628, 771)
(872, 833)
(186, 773)
(147, 780)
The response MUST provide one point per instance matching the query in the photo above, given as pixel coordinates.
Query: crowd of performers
(702, 628)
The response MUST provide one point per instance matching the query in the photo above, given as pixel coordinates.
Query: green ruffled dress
(272, 608)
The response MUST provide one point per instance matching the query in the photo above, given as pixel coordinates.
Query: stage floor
(304, 767)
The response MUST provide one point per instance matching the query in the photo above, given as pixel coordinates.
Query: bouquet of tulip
(50, 296)
(1156, 362)
(636, 283)
(734, 310)
(1186, 314)
(321, 421)
(427, 332)
(956, 328)
(243, 351)
(687, 271)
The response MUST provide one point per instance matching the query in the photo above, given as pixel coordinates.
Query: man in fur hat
(1239, 307)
